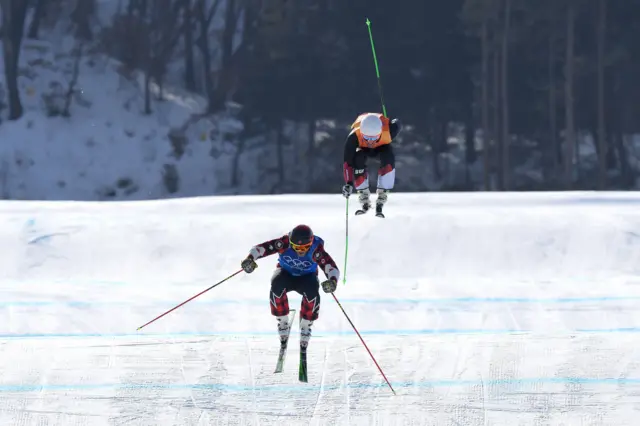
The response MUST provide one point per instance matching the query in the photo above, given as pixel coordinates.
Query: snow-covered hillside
(481, 309)
(107, 149)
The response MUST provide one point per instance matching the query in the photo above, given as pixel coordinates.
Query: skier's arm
(326, 262)
(270, 247)
(350, 147)
(395, 126)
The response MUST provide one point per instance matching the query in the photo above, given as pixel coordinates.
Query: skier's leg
(308, 286)
(281, 283)
(362, 178)
(386, 175)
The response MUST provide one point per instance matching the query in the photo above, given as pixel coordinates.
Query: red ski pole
(365, 345)
(188, 300)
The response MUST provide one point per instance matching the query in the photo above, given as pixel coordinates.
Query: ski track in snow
(482, 309)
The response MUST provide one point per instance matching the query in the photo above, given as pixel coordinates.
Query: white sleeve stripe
(332, 272)
(257, 252)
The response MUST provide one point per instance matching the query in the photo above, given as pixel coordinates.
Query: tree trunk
(189, 69)
(434, 142)
(625, 170)
(81, 17)
(205, 17)
(14, 13)
(471, 155)
(506, 167)
(570, 142)
(235, 163)
(486, 130)
(225, 73)
(34, 28)
(554, 146)
(147, 92)
(618, 123)
(207, 68)
(66, 111)
(602, 141)
(497, 161)
(311, 152)
(280, 149)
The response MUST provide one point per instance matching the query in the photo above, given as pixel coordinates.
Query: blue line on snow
(390, 332)
(315, 388)
(260, 333)
(558, 300)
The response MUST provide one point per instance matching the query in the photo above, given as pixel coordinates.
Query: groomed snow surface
(482, 309)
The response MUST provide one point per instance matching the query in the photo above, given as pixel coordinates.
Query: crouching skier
(300, 252)
(371, 135)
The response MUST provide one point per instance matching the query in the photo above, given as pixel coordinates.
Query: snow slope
(108, 149)
(483, 309)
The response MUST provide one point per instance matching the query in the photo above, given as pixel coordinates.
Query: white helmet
(371, 127)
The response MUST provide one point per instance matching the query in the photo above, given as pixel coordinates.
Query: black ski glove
(249, 265)
(329, 286)
(347, 190)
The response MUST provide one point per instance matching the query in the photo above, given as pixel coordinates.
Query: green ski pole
(375, 62)
(384, 112)
(346, 245)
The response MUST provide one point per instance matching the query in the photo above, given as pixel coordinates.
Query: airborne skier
(371, 135)
(299, 254)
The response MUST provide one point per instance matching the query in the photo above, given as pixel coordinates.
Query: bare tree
(81, 16)
(71, 89)
(189, 69)
(481, 16)
(554, 148)
(495, 108)
(38, 13)
(506, 167)
(602, 140)
(227, 81)
(486, 128)
(14, 13)
(570, 137)
(205, 17)
(163, 33)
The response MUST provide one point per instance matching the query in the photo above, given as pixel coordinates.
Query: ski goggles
(370, 138)
(301, 248)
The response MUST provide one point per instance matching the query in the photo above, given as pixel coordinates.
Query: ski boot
(382, 199)
(305, 335)
(363, 197)
(283, 330)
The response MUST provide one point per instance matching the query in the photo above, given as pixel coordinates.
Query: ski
(283, 346)
(302, 369)
(363, 210)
